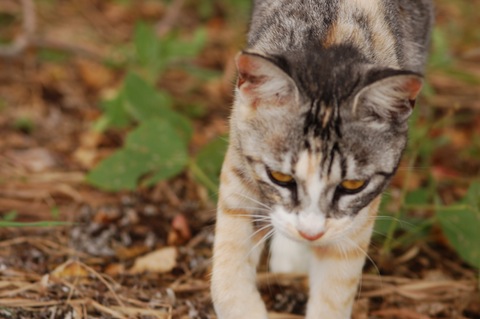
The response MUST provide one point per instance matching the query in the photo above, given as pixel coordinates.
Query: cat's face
(319, 162)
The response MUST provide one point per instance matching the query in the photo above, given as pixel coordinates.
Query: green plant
(461, 224)
(157, 148)
(24, 124)
(153, 55)
(8, 220)
(410, 217)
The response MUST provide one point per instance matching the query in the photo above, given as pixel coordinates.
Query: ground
(74, 251)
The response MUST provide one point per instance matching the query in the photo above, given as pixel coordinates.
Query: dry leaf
(94, 75)
(71, 269)
(34, 159)
(124, 253)
(115, 269)
(159, 261)
(180, 232)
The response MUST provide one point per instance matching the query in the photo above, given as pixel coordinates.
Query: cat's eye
(280, 178)
(352, 185)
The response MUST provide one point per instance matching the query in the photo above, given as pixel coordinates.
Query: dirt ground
(146, 253)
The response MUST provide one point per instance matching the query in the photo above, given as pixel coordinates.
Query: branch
(171, 16)
(27, 38)
(29, 25)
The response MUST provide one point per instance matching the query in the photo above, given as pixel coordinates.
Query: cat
(318, 127)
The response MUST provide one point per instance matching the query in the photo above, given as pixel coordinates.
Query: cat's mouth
(311, 237)
(311, 229)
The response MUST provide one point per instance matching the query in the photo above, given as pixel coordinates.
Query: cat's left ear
(390, 98)
(261, 82)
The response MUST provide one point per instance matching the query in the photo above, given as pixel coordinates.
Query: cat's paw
(245, 314)
(248, 309)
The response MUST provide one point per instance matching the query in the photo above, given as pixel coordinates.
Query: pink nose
(310, 237)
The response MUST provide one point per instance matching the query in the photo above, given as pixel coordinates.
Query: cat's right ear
(390, 98)
(262, 83)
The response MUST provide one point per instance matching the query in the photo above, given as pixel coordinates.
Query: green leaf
(382, 225)
(52, 55)
(208, 164)
(440, 56)
(155, 147)
(145, 102)
(147, 49)
(118, 171)
(461, 225)
(175, 49)
(34, 224)
(418, 197)
(410, 229)
(115, 114)
(10, 216)
(55, 212)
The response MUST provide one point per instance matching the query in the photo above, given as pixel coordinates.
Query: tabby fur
(324, 92)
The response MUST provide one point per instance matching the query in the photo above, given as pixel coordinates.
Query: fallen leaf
(442, 172)
(106, 216)
(115, 269)
(86, 157)
(94, 75)
(159, 261)
(71, 269)
(124, 253)
(35, 159)
(180, 232)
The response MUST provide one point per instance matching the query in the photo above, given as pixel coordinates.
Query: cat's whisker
(345, 255)
(256, 217)
(379, 233)
(392, 218)
(261, 241)
(253, 200)
(357, 246)
(373, 263)
(414, 168)
(258, 231)
(254, 208)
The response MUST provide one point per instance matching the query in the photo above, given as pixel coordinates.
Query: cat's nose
(311, 237)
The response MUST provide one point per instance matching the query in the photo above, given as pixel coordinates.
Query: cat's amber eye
(353, 185)
(280, 178)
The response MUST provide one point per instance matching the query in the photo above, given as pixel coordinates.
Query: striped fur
(324, 92)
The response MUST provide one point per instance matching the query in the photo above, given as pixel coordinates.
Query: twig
(107, 310)
(171, 16)
(28, 38)
(400, 313)
(61, 46)
(92, 271)
(275, 315)
(103, 280)
(22, 41)
(473, 54)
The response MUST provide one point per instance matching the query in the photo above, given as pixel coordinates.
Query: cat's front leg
(336, 270)
(236, 254)
(334, 280)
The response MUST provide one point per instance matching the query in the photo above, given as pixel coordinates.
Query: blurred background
(113, 126)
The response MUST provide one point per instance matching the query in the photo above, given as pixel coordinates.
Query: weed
(157, 149)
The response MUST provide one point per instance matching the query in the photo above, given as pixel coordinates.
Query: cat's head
(320, 140)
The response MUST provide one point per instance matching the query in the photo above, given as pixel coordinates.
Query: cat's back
(390, 33)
